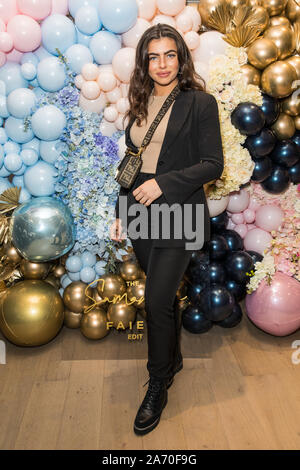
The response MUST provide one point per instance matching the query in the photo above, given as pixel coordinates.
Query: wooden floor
(238, 390)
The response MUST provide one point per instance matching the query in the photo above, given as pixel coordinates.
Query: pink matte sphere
(257, 240)
(238, 201)
(269, 217)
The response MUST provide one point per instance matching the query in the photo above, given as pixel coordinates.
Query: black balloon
(233, 239)
(237, 289)
(248, 118)
(262, 169)
(219, 222)
(218, 247)
(237, 264)
(261, 144)
(285, 153)
(294, 173)
(270, 108)
(216, 302)
(198, 263)
(233, 319)
(278, 181)
(216, 274)
(194, 321)
(296, 139)
(193, 292)
(255, 256)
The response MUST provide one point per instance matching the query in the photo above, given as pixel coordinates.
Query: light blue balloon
(4, 171)
(103, 46)
(33, 144)
(21, 171)
(2, 88)
(48, 122)
(58, 32)
(87, 20)
(20, 102)
(87, 274)
(12, 76)
(118, 15)
(100, 267)
(34, 83)
(29, 157)
(3, 136)
(51, 74)
(28, 71)
(29, 58)
(83, 38)
(15, 130)
(61, 291)
(74, 5)
(74, 276)
(48, 150)
(18, 181)
(4, 185)
(40, 179)
(1, 121)
(41, 53)
(11, 147)
(43, 229)
(74, 264)
(3, 107)
(24, 196)
(12, 162)
(88, 258)
(39, 92)
(77, 56)
(1, 155)
(65, 282)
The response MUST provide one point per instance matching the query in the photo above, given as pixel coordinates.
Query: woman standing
(185, 152)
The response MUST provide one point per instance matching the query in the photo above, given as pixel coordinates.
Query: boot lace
(152, 394)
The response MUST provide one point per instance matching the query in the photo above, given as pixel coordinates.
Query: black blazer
(191, 155)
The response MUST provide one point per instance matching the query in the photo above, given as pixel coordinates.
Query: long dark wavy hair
(141, 84)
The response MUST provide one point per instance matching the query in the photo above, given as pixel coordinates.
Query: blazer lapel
(179, 113)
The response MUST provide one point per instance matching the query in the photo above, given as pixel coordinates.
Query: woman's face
(163, 61)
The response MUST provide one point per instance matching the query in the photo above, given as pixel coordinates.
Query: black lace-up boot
(177, 361)
(155, 400)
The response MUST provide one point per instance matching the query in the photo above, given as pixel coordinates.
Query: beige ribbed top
(137, 134)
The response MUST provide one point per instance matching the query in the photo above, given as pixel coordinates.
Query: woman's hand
(115, 231)
(147, 192)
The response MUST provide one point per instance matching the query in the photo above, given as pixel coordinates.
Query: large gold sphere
(274, 7)
(294, 61)
(72, 319)
(284, 126)
(110, 286)
(137, 291)
(292, 10)
(121, 315)
(59, 270)
(130, 270)
(205, 8)
(32, 270)
(291, 105)
(277, 79)
(251, 75)
(94, 324)
(32, 313)
(75, 298)
(284, 38)
(262, 53)
(12, 253)
(279, 21)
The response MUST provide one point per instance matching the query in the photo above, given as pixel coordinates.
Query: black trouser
(164, 268)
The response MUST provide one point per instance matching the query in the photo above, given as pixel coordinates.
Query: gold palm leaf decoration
(4, 230)
(242, 36)
(11, 199)
(220, 19)
(241, 15)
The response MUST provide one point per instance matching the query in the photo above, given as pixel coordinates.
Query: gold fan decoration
(11, 198)
(242, 36)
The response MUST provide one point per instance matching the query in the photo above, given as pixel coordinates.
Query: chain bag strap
(130, 165)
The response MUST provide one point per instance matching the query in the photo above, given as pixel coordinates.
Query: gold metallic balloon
(297, 122)
(291, 105)
(284, 39)
(59, 270)
(294, 60)
(53, 281)
(277, 79)
(284, 126)
(75, 298)
(12, 253)
(34, 270)
(262, 53)
(292, 10)
(121, 314)
(94, 324)
(236, 3)
(137, 290)
(274, 7)
(130, 270)
(279, 21)
(99, 299)
(110, 286)
(32, 313)
(205, 8)
(72, 319)
(251, 75)
(260, 17)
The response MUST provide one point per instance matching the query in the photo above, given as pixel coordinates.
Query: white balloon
(111, 113)
(107, 128)
(122, 105)
(195, 15)
(107, 81)
(119, 122)
(123, 63)
(184, 22)
(147, 8)
(163, 19)
(170, 7)
(79, 81)
(202, 69)
(211, 44)
(95, 106)
(114, 95)
(192, 39)
(217, 206)
(133, 35)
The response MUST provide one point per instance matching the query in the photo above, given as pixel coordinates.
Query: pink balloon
(111, 113)
(163, 19)
(60, 7)
(147, 9)
(275, 308)
(238, 200)
(90, 90)
(241, 229)
(6, 42)
(90, 71)
(170, 7)
(249, 215)
(238, 218)
(269, 217)
(2, 26)
(8, 9)
(123, 63)
(230, 225)
(211, 44)
(94, 106)
(26, 33)
(133, 35)
(257, 240)
(184, 22)
(107, 81)
(251, 226)
(114, 95)
(253, 204)
(195, 15)
(2, 59)
(37, 9)
(192, 39)
(14, 56)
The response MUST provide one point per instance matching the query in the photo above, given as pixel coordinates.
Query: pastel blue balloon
(40, 179)
(12, 162)
(118, 15)
(48, 150)
(33, 144)
(4, 185)
(58, 32)
(3, 136)
(1, 121)
(18, 181)
(87, 274)
(20, 102)
(24, 196)
(88, 258)
(28, 71)
(61, 291)
(83, 39)
(48, 122)
(74, 5)
(1, 155)
(87, 20)
(100, 267)
(74, 264)
(65, 282)
(12, 76)
(39, 92)
(29, 157)
(103, 46)
(21, 171)
(51, 74)
(74, 276)
(3, 107)
(15, 130)
(11, 147)
(41, 53)
(2, 88)
(4, 171)
(29, 58)
(77, 56)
